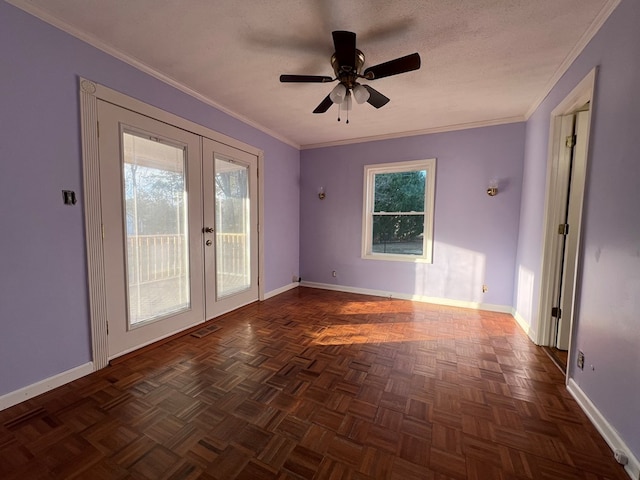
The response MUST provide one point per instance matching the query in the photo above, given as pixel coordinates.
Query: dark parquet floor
(314, 384)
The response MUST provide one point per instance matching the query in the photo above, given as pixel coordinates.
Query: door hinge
(556, 312)
(570, 141)
(107, 327)
(102, 231)
(563, 229)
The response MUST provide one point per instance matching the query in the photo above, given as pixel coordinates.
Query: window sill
(396, 258)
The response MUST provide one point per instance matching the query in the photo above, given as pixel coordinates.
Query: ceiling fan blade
(324, 105)
(305, 79)
(393, 67)
(376, 98)
(345, 44)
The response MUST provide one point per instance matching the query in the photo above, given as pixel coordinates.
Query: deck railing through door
(159, 256)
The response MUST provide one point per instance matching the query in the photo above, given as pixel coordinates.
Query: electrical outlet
(485, 288)
(581, 360)
(334, 274)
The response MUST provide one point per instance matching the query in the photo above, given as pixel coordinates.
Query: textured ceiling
(483, 61)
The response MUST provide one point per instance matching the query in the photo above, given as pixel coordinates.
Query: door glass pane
(233, 272)
(157, 250)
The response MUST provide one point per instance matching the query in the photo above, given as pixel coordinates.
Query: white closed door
(230, 190)
(570, 243)
(151, 196)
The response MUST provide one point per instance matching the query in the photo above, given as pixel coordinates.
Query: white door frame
(90, 92)
(582, 94)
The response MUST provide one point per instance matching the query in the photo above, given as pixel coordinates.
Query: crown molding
(595, 26)
(415, 133)
(584, 40)
(143, 67)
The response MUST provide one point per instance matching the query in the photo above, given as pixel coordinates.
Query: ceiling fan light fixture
(338, 93)
(347, 63)
(361, 94)
(348, 103)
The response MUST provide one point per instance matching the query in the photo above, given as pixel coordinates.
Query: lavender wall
(44, 324)
(475, 235)
(607, 326)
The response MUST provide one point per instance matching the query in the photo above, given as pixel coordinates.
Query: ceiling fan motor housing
(347, 74)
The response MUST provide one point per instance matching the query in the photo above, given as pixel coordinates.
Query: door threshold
(558, 357)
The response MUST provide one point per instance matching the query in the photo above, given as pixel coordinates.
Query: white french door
(230, 189)
(180, 227)
(151, 197)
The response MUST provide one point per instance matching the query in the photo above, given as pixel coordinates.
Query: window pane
(399, 192)
(157, 245)
(399, 234)
(232, 227)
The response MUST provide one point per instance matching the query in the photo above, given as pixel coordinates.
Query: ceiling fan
(347, 63)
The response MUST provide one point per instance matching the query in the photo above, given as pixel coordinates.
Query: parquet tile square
(229, 463)
(317, 385)
(257, 471)
(451, 464)
(303, 462)
(156, 462)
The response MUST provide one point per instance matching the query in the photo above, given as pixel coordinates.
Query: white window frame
(370, 171)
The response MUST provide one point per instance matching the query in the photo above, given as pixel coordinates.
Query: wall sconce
(321, 193)
(492, 191)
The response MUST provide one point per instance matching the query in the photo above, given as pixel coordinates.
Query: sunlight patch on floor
(376, 333)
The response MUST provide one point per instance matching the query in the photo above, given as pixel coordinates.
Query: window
(398, 211)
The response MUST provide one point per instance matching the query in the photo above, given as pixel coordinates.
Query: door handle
(207, 230)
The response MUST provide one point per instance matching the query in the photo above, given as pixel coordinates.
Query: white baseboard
(407, 296)
(280, 290)
(607, 431)
(531, 333)
(43, 386)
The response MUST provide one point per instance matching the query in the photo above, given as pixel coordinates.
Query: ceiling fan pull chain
(338, 112)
